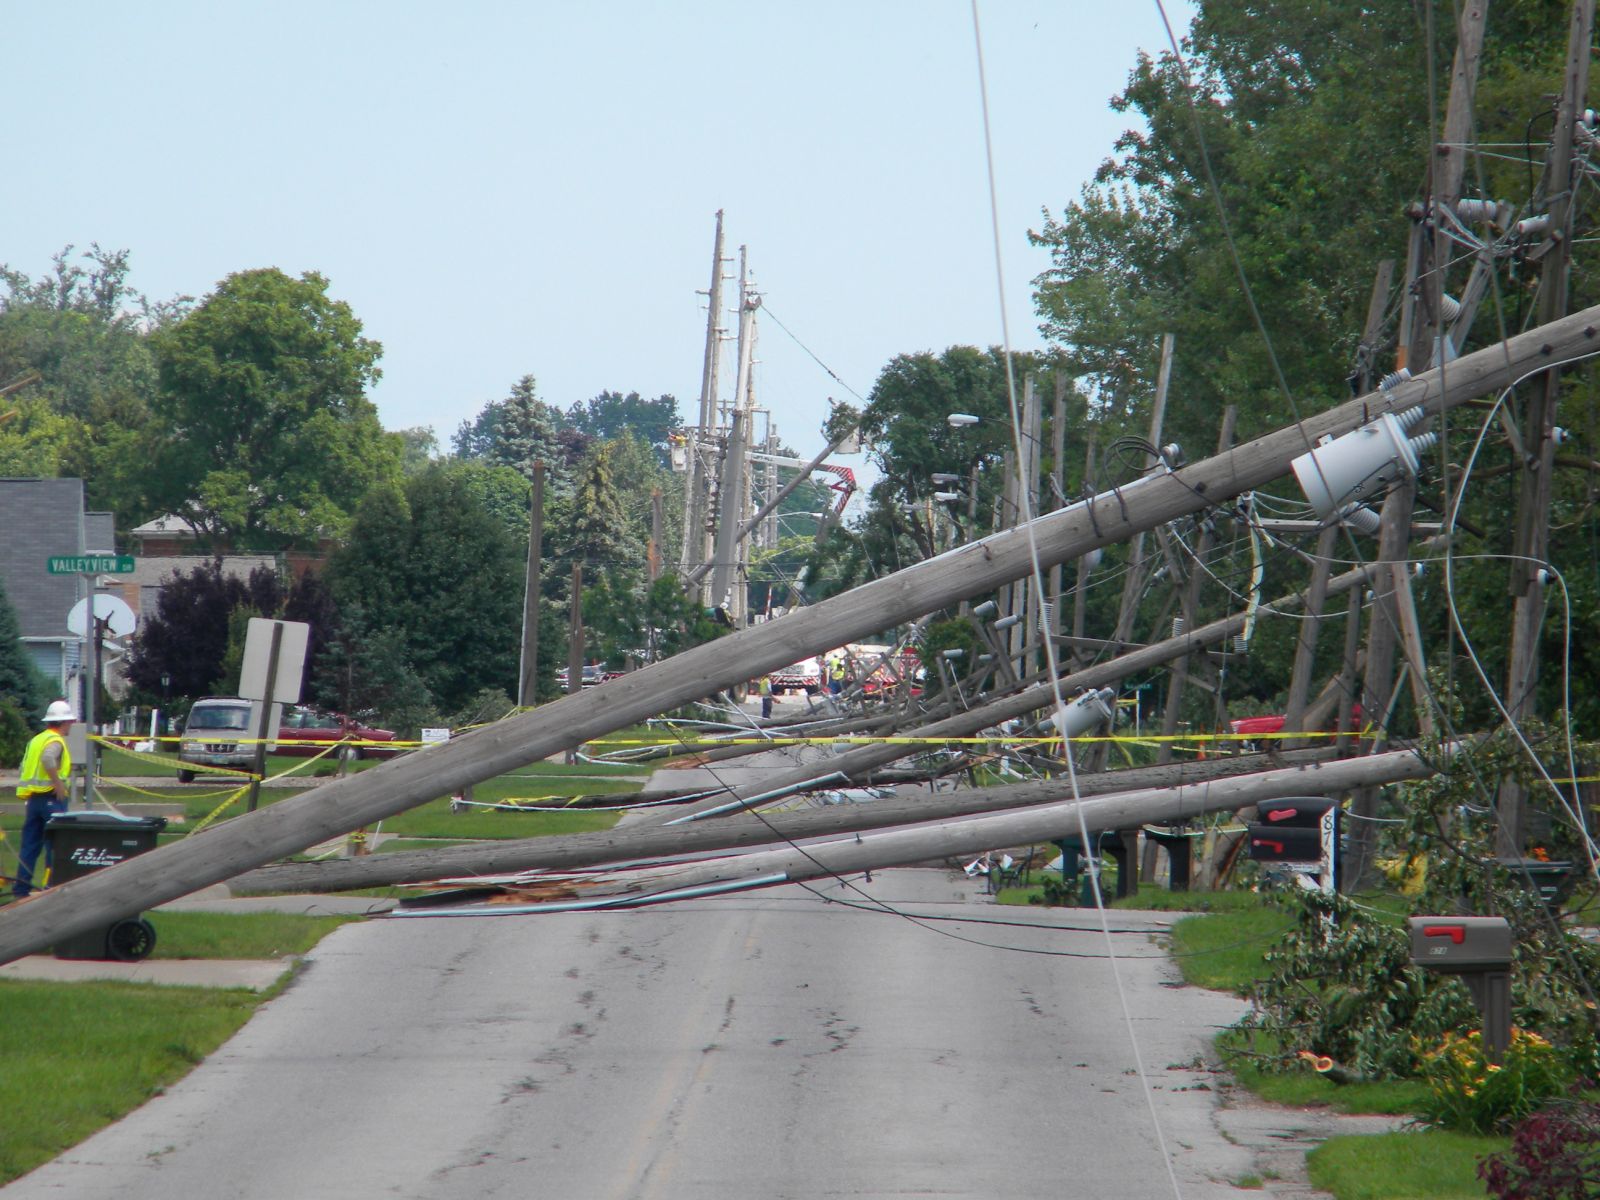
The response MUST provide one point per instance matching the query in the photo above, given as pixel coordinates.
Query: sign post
(274, 661)
(90, 565)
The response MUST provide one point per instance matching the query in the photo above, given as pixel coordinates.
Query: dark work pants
(40, 809)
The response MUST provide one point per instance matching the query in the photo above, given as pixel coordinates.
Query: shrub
(14, 733)
(1469, 1093)
(1554, 1155)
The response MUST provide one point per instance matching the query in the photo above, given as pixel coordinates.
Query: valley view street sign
(89, 564)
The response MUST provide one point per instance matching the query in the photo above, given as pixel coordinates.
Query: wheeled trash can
(83, 841)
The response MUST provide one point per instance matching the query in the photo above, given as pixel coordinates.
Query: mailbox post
(1479, 950)
(1300, 834)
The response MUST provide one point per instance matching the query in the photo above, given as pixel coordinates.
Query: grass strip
(79, 1056)
(1429, 1164)
(265, 935)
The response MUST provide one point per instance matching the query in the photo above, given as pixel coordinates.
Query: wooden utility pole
(336, 808)
(732, 490)
(1425, 347)
(782, 494)
(628, 842)
(1189, 605)
(1058, 450)
(857, 762)
(696, 481)
(1532, 542)
(652, 558)
(1080, 590)
(1133, 584)
(575, 634)
(528, 675)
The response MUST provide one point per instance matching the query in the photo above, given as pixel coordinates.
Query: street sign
(89, 564)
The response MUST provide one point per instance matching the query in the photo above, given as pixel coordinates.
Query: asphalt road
(759, 1046)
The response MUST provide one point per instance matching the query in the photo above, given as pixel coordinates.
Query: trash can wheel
(131, 940)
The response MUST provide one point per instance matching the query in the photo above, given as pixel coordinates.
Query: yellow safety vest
(32, 781)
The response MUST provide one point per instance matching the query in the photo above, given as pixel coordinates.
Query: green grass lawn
(79, 1056)
(1430, 1164)
(238, 935)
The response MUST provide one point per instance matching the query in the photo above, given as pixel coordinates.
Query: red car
(308, 730)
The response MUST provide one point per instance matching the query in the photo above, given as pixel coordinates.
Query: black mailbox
(1479, 950)
(1301, 813)
(1458, 944)
(1286, 843)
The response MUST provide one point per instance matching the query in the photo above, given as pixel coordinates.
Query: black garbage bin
(81, 842)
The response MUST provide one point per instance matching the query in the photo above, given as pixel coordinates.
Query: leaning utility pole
(336, 808)
(1532, 541)
(696, 482)
(528, 676)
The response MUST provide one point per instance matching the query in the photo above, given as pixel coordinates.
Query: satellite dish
(118, 617)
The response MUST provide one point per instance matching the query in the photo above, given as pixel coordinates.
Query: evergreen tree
(21, 683)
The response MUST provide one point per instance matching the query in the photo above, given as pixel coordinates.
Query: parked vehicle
(592, 675)
(306, 731)
(805, 675)
(218, 733)
(212, 733)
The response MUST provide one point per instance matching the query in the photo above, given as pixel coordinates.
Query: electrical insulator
(1393, 378)
(1532, 226)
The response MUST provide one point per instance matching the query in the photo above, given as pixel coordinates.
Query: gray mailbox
(1479, 950)
(1460, 944)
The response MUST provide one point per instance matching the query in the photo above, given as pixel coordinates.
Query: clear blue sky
(508, 188)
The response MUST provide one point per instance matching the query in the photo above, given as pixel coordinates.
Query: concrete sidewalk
(255, 974)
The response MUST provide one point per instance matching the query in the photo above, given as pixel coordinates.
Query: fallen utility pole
(331, 810)
(855, 764)
(975, 835)
(630, 842)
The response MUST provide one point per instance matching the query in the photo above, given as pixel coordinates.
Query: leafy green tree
(269, 438)
(905, 421)
(80, 335)
(501, 491)
(613, 415)
(419, 447)
(679, 623)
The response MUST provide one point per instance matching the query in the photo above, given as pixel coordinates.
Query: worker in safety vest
(836, 673)
(764, 687)
(42, 787)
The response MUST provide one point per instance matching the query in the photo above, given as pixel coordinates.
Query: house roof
(41, 517)
(152, 573)
(170, 525)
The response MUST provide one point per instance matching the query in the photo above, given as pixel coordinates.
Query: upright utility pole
(1058, 449)
(1189, 604)
(1425, 290)
(575, 633)
(732, 492)
(1133, 585)
(1532, 543)
(528, 675)
(696, 482)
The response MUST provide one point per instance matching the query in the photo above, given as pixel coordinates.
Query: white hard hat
(59, 710)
